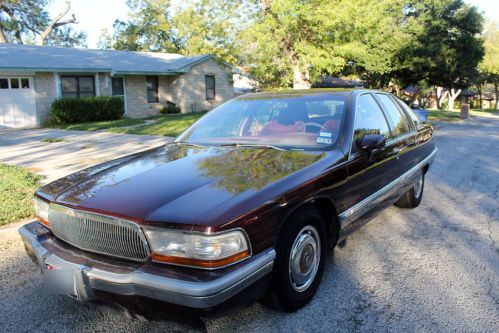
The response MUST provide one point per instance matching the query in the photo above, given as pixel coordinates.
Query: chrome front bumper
(211, 289)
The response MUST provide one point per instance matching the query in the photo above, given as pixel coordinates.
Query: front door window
(118, 88)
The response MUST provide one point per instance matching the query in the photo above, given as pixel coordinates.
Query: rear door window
(400, 124)
(414, 117)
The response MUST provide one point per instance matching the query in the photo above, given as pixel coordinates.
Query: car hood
(175, 183)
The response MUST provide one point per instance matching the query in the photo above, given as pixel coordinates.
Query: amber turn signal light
(207, 264)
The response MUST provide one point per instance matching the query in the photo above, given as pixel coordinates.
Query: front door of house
(118, 89)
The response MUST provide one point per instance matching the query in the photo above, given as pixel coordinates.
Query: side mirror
(370, 142)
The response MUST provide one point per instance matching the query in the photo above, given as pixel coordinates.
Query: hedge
(85, 109)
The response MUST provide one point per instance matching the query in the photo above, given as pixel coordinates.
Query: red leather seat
(275, 128)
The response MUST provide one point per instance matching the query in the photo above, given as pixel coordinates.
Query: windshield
(304, 122)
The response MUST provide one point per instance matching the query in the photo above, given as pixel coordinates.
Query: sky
(95, 15)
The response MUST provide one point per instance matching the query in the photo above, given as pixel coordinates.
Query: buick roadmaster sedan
(258, 189)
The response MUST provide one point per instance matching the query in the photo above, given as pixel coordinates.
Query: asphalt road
(435, 268)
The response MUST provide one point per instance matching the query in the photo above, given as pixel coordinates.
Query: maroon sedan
(260, 187)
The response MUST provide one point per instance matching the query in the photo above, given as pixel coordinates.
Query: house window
(4, 84)
(77, 86)
(14, 83)
(25, 83)
(152, 89)
(209, 81)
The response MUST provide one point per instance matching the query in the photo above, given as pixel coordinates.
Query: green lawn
(17, 186)
(99, 125)
(444, 115)
(441, 115)
(167, 125)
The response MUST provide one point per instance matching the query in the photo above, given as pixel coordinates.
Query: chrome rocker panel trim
(374, 199)
(186, 293)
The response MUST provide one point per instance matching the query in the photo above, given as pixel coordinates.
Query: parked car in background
(420, 112)
(259, 188)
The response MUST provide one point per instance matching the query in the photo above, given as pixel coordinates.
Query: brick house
(31, 77)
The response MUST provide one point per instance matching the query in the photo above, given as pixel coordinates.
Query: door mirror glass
(370, 142)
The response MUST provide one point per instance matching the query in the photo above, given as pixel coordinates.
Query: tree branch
(55, 23)
(17, 32)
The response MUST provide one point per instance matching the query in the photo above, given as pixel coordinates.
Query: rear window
(414, 117)
(400, 123)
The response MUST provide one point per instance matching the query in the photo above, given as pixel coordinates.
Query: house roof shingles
(18, 57)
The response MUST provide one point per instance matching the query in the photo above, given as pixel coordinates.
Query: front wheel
(299, 265)
(413, 197)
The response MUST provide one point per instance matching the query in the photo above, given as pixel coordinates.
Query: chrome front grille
(98, 233)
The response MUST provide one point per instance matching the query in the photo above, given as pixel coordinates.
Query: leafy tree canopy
(287, 43)
(27, 21)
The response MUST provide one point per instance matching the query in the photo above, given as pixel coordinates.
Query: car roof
(302, 93)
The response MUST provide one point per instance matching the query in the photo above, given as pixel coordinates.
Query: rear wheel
(413, 197)
(299, 265)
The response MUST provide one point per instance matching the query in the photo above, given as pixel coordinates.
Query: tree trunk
(414, 97)
(301, 78)
(17, 31)
(3, 40)
(440, 93)
(479, 89)
(496, 89)
(453, 94)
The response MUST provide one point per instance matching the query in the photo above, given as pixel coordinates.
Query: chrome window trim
(402, 137)
(359, 209)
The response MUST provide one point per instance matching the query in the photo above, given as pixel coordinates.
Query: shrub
(85, 109)
(170, 108)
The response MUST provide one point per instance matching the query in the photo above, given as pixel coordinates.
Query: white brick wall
(45, 94)
(189, 91)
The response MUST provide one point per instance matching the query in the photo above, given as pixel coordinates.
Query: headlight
(42, 211)
(198, 250)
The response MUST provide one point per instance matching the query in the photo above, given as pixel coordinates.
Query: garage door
(17, 102)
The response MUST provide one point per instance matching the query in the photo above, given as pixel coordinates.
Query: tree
(490, 64)
(295, 42)
(149, 27)
(445, 49)
(195, 27)
(210, 27)
(105, 39)
(27, 21)
(455, 48)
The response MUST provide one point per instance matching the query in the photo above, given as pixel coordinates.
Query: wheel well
(328, 212)
(425, 169)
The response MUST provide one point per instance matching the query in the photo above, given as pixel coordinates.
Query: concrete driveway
(434, 268)
(78, 150)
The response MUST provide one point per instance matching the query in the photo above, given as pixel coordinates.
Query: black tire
(413, 197)
(282, 294)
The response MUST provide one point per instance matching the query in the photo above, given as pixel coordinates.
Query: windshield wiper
(247, 145)
(183, 143)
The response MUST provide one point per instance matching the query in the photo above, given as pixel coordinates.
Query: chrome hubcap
(418, 186)
(304, 258)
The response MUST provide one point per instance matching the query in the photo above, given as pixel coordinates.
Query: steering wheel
(304, 125)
